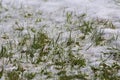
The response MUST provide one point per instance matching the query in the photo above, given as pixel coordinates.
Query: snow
(97, 8)
(52, 12)
(103, 9)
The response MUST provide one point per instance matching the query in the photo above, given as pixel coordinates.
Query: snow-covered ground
(103, 9)
(96, 8)
(52, 14)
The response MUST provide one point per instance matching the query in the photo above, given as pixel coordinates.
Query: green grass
(106, 72)
(37, 48)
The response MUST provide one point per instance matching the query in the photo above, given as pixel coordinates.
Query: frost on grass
(35, 46)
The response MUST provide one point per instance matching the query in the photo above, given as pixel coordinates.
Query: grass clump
(86, 27)
(13, 75)
(30, 76)
(97, 37)
(3, 52)
(113, 52)
(106, 72)
(40, 40)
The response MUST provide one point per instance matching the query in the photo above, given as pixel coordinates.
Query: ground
(59, 40)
